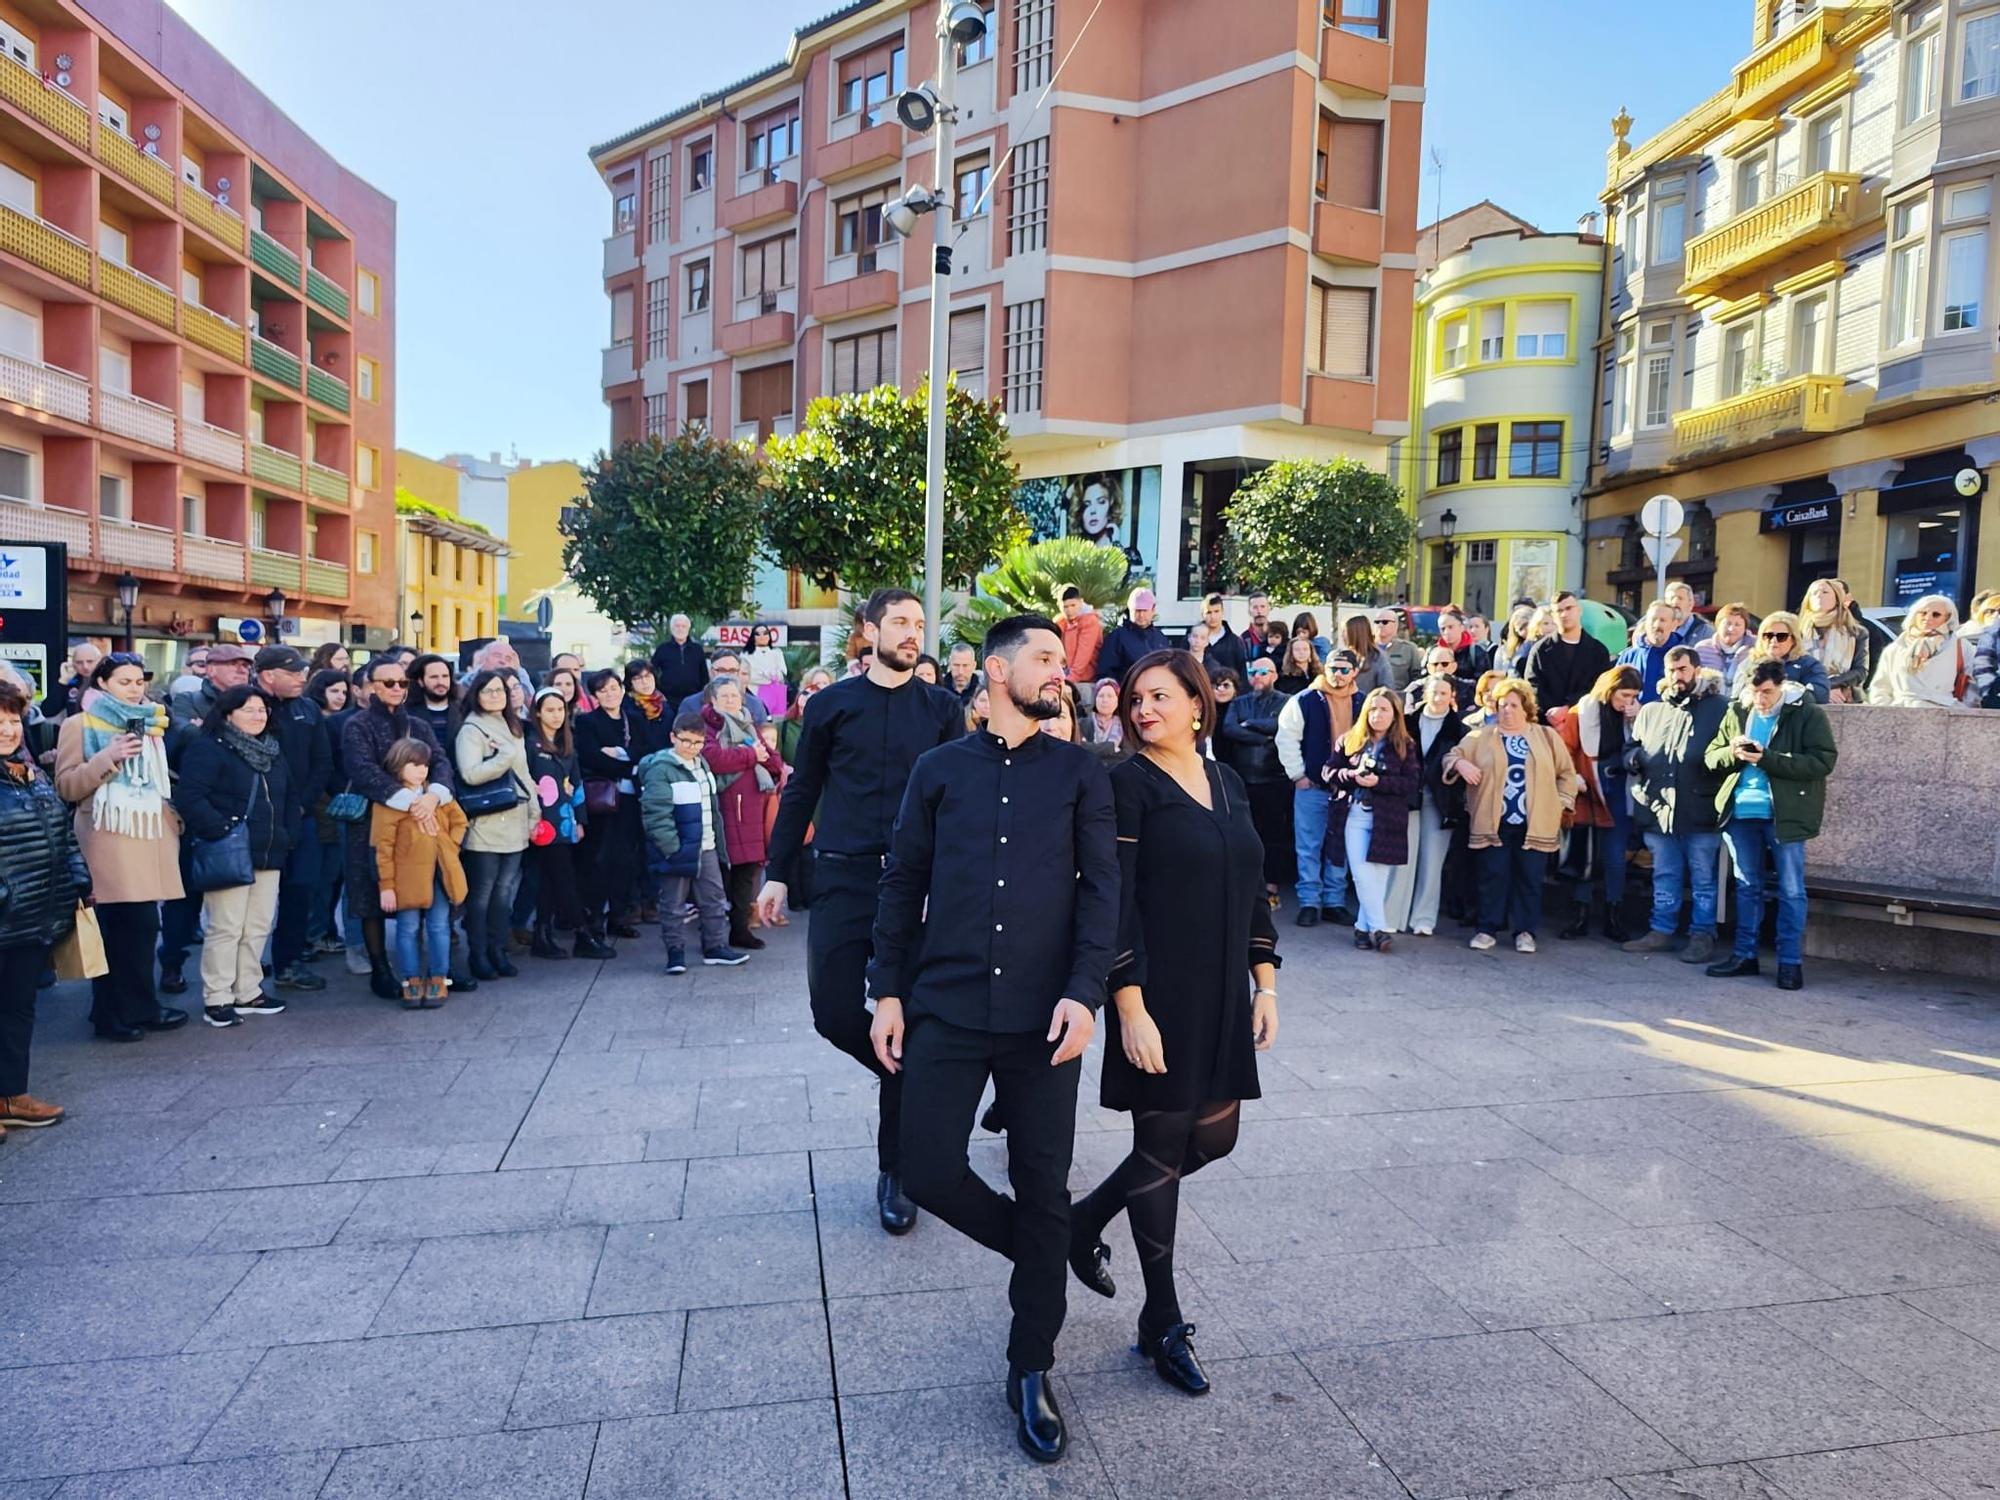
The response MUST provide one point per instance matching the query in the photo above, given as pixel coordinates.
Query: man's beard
(888, 656)
(1036, 707)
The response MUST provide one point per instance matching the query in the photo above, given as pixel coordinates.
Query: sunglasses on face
(392, 682)
(1774, 635)
(1340, 671)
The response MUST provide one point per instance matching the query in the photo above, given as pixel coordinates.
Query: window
(1973, 201)
(1362, 17)
(1541, 330)
(1964, 286)
(1979, 57)
(968, 349)
(870, 80)
(17, 474)
(657, 297)
(701, 167)
(17, 46)
(1028, 198)
(368, 292)
(192, 523)
(1024, 356)
(111, 504)
(1621, 385)
(974, 173)
(1737, 349)
(194, 401)
(1034, 43)
(857, 224)
(1920, 66)
(112, 113)
(1909, 266)
(768, 267)
(111, 243)
(982, 49)
(260, 521)
(694, 403)
(114, 371)
(624, 212)
(1451, 344)
(1822, 143)
(367, 378)
(1450, 451)
(771, 139)
(366, 545)
(367, 466)
(656, 416)
(764, 396)
(1345, 342)
(1750, 175)
(1808, 337)
(1669, 229)
(1656, 383)
(1492, 333)
(1353, 151)
(864, 361)
(697, 280)
(190, 286)
(17, 190)
(1486, 451)
(621, 317)
(1534, 450)
(658, 170)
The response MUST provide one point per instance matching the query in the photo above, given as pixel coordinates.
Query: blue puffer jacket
(670, 808)
(43, 875)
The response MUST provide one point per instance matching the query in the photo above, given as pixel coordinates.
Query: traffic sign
(1661, 516)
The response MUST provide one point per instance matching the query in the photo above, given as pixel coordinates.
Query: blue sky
(475, 115)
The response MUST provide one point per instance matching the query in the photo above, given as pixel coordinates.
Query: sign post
(34, 610)
(1660, 518)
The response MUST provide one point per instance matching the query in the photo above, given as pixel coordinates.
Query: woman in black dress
(1184, 1025)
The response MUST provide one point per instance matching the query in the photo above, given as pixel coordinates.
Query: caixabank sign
(34, 608)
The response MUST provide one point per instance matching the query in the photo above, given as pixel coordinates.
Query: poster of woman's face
(1096, 506)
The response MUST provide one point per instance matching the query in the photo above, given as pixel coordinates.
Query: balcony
(871, 291)
(326, 388)
(136, 292)
(326, 580)
(274, 363)
(1803, 404)
(864, 151)
(762, 205)
(45, 388)
(211, 330)
(274, 570)
(1357, 66)
(327, 484)
(1823, 207)
(40, 100)
(40, 243)
(149, 174)
(273, 258)
(1337, 402)
(618, 367)
(1786, 61)
(211, 218)
(759, 331)
(24, 521)
(206, 557)
(621, 253)
(133, 544)
(324, 290)
(275, 466)
(212, 445)
(1351, 236)
(135, 417)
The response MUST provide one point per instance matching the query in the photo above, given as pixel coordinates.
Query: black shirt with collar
(857, 744)
(1000, 894)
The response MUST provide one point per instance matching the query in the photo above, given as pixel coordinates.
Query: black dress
(1190, 953)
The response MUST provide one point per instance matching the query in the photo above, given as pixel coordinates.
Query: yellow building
(1798, 316)
(536, 495)
(449, 564)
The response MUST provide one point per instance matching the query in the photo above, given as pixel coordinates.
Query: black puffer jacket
(217, 787)
(42, 876)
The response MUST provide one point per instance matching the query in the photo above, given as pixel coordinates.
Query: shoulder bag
(224, 863)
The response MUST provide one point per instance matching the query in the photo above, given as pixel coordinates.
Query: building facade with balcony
(1504, 357)
(448, 562)
(1798, 336)
(196, 336)
(1196, 256)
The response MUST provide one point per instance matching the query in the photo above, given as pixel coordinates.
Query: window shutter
(1355, 174)
(844, 367)
(1350, 317)
(968, 342)
(1316, 326)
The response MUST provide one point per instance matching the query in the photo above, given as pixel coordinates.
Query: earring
(1197, 724)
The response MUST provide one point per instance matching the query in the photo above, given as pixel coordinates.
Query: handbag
(502, 795)
(600, 797)
(224, 863)
(80, 952)
(347, 807)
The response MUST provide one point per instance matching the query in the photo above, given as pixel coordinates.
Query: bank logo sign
(24, 578)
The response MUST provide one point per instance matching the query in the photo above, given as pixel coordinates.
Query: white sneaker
(357, 963)
(1483, 941)
(1420, 932)
(1524, 942)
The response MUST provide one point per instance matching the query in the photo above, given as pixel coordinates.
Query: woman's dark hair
(1218, 673)
(549, 682)
(562, 744)
(111, 661)
(760, 625)
(13, 700)
(407, 752)
(637, 665)
(228, 703)
(593, 682)
(936, 665)
(470, 702)
(321, 680)
(1305, 624)
(1193, 680)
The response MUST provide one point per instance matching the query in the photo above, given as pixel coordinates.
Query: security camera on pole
(1660, 518)
(933, 109)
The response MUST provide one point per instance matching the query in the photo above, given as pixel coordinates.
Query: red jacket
(743, 825)
(1081, 639)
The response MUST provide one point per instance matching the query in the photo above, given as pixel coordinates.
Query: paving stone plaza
(1574, 1225)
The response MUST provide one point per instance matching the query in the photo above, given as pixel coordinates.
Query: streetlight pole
(941, 221)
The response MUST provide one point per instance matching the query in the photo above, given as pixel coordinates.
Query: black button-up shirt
(857, 743)
(1015, 850)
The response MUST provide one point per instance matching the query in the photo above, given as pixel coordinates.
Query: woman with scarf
(1927, 666)
(609, 745)
(766, 666)
(749, 771)
(232, 772)
(491, 754)
(1837, 637)
(111, 763)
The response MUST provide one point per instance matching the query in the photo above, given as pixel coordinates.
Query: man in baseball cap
(295, 720)
(276, 659)
(1136, 636)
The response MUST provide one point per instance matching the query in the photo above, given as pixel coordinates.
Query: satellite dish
(1967, 482)
(152, 132)
(62, 79)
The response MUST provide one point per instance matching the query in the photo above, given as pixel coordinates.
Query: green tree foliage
(846, 505)
(663, 527)
(1319, 530)
(1027, 578)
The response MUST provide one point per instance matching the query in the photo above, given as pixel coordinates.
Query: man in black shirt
(431, 692)
(680, 665)
(857, 742)
(1563, 667)
(993, 938)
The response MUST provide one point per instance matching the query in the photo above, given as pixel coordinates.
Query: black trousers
(839, 942)
(557, 881)
(740, 881)
(20, 972)
(1271, 815)
(945, 1069)
(1510, 883)
(297, 884)
(125, 996)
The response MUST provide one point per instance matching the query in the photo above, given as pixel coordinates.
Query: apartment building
(448, 561)
(1193, 257)
(196, 337)
(1798, 322)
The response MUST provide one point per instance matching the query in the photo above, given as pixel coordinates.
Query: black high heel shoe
(1091, 1263)
(1173, 1356)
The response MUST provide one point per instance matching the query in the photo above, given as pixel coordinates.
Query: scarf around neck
(133, 802)
(737, 729)
(652, 705)
(260, 751)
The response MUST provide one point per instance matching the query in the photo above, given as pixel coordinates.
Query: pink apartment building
(1197, 259)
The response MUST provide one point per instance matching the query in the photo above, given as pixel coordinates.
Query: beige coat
(122, 868)
(483, 753)
(1552, 785)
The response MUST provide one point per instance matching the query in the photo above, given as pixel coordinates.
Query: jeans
(1510, 883)
(527, 892)
(1612, 841)
(1322, 878)
(1754, 843)
(1684, 859)
(1371, 881)
(1402, 897)
(434, 923)
(20, 970)
(489, 899)
(326, 894)
(711, 903)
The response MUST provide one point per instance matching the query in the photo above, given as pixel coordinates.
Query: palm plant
(1026, 579)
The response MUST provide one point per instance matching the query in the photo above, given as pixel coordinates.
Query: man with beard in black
(858, 740)
(993, 939)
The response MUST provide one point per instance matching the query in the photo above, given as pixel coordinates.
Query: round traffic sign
(252, 631)
(1661, 516)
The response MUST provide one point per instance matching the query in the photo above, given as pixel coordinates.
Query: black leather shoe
(465, 984)
(1173, 1356)
(990, 1122)
(1791, 976)
(1339, 916)
(168, 1019)
(119, 1033)
(899, 1214)
(382, 981)
(1308, 916)
(502, 966)
(1577, 926)
(173, 982)
(481, 969)
(1615, 928)
(589, 946)
(1032, 1395)
(542, 943)
(1092, 1265)
(1732, 967)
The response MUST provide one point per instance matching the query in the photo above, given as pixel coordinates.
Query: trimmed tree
(1319, 530)
(846, 507)
(666, 527)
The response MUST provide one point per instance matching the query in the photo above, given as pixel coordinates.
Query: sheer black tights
(1166, 1146)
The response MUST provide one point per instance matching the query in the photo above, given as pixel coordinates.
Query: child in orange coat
(420, 875)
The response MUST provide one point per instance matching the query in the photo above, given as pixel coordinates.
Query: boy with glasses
(681, 807)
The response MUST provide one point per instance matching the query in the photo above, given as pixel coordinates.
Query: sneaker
(1524, 942)
(1421, 932)
(676, 961)
(221, 1015)
(331, 944)
(297, 978)
(727, 958)
(1482, 941)
(357, 963)
(1652, 942)
(263, 1005)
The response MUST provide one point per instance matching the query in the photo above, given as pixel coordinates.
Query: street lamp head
(274, 604)
(1448, 523)
(966, 22)
(128, 592)
(918, 108)
(904, 212)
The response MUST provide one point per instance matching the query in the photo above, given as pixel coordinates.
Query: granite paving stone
(1698, 1267)
(721, 1262)
(1851, 1474)
(599, 1369)
(54, 1424)
(1942, 1373)
(1874, 1250)
(111, 1309)
(1276, 1307)
(316, 1295)
(769, 1184)
(1531, 1283)
(290, 1476)
(490, 1280)
(1962, 1467)
(939, 1445)
(1466, 1202)
(751, 1356)
(549, 1463)
(466, 1203)
(1312, 1213)
(791, 1450)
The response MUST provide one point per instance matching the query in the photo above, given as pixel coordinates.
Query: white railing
(135, 544)
(208, 558)
(29, 522)
(212, 445)
(60, 393)
(135, 417)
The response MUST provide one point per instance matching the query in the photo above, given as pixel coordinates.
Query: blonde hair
(1542, 622)
(1489, 679)
(1792, 623)
(1397, 735)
